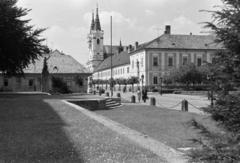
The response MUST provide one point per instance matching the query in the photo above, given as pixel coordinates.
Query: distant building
(59, 65)
(98, 52)
(149, 61)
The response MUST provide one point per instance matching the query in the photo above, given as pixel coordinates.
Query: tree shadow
(31, 131)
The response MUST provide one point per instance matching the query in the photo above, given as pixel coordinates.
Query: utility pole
(111, 80)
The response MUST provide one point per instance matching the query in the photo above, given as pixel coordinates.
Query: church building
(150, 61)
(98, 52)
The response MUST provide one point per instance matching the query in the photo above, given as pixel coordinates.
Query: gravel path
(173, 101)
(160, 149)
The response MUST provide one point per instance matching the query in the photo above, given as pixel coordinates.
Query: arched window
(98, 41)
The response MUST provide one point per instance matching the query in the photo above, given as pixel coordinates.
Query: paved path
(162, 150)
(173, 101)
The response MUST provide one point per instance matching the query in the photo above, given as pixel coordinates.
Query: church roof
(171, 41)
(117, 60)
(97, 26)
(57, 63)
(92, 23)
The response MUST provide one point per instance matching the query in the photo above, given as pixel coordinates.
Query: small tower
(95, 43)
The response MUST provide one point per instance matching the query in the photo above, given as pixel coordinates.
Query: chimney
(136, 45)
(167, 29)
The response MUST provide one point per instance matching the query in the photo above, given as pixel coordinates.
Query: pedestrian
(139, 94)
(144, 95)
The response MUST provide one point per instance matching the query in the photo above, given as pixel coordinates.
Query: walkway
(173, 101)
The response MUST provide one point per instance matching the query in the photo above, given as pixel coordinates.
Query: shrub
(215, 147)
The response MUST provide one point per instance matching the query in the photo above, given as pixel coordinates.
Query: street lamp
(138, 71)
(142, 77)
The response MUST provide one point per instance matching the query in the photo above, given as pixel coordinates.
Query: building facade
(60, 66)
(151, 61)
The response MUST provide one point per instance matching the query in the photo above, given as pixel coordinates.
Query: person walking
(144, 95)
(139, 94)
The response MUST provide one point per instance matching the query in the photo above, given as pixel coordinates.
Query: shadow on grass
(31, 131)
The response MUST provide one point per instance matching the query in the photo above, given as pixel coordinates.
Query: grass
(168, 126)
(43, 129)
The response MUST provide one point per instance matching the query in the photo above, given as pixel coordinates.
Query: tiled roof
(117, 60)
(171, 41)
(57, 63)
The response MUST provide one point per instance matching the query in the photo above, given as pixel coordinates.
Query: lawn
(43, 129)
(168, 126)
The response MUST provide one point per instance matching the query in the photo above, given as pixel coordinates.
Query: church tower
(95, 43)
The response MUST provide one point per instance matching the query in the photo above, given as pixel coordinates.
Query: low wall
(97, 104)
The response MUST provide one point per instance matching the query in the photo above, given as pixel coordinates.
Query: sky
(68, 21)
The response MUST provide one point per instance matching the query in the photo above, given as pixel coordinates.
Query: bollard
(185, 105)
(119, 95)
(152, 101)
(107, 94)
(133, 99)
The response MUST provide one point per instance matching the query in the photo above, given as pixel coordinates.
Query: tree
(20, 44)
(224, 147)
(45, 76)
(133, 80)
(187, 74)
(226, 26)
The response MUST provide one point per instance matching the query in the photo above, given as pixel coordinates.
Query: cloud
(182, 24)
(117, 18)
(149, 12)
(72, 3)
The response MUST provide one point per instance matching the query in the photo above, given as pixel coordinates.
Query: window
(170, 61)
(141, 62)
(30, 82)
(185, 60)
(127, 69)
(98, 41)
(199, 62)
(132, 64)
(155, 80)
(5, 82)
(18, 80)
(155, 61)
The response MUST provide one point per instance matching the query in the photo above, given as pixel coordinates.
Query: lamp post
(161, 85)
(142, 77)
(111, 80)
(138, 71)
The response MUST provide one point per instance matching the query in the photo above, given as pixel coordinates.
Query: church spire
(97, 21)
(93, 23)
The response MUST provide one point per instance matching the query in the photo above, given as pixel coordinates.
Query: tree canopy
(225, 146)
(20, 43)
(188, 74)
